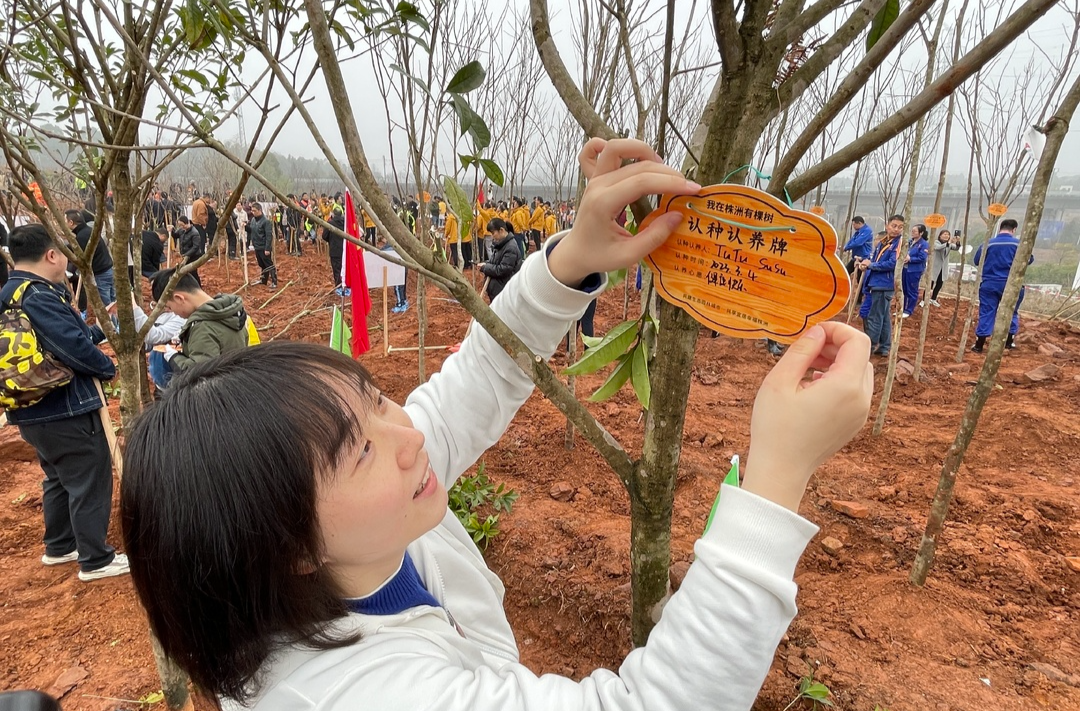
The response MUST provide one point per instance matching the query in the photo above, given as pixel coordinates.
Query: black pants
(77, 491)
(294, 234)
(586, 321)
(266, 263)
(535, 234)
(335, 248)
(369, 235)
(937, 286)
(466, 253)
(230, 235)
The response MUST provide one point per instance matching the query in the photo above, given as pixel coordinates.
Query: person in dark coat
(505, 262)
(101, 262)
(153, 251)
(191, 241)
(336, 244)
(262, 241)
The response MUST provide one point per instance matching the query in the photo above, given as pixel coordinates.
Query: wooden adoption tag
(745, 264)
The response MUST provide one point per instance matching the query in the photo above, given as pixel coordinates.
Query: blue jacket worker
(1000, 252)
(879, 280)
(64, 427)
(914, 266)
(861, 242)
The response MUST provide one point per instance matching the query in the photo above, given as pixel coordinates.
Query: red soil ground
(1001, 597)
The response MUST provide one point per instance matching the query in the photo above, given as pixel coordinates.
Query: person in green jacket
(213, 324)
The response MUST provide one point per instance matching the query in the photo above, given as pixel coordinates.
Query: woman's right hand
(799, 423)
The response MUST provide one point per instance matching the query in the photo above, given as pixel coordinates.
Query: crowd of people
(873, 262)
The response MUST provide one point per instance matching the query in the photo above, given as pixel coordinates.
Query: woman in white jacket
(306, 559)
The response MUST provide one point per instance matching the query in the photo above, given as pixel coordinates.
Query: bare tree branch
(1001, 37)
(581, 109)
(851, 85)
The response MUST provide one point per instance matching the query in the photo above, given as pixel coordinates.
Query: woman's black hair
(921, 229)
(497, 223)
(218, 505)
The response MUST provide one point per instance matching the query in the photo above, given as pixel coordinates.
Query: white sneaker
(60, 559)
(922, 303)
(905, 315)
(118, 566)
(934, 302)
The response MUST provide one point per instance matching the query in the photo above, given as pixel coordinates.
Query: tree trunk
(927, 280)
(1057, 127)
(571, 356)
(898, 324)
(963, 258)
(174, 683)
(421, 317)
(652, 494)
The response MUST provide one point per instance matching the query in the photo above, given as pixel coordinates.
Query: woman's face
(382, 497)
(944, 236)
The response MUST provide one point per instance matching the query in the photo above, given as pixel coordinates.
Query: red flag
(356, 281)
(480, 195)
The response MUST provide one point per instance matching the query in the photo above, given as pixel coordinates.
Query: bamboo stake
(385, 316)
(110, 435)
(856, 293)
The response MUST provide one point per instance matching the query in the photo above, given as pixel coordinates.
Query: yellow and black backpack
(27, 373)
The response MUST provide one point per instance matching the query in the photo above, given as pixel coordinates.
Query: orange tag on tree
(747, 265)
(935, 220)
(997, 209)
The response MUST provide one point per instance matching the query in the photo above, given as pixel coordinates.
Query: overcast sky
(1048, 38)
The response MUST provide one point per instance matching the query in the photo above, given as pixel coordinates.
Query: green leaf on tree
(615, 344)
(480, 133)
(409, 13)
(459, 203)
(615, 381)
(591, 341)
(615, 278)
(492, 171)
(640, 375)
(882, 22)
(466, 116)
(466, 79)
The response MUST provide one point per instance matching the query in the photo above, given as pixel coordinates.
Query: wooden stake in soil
(385, 317)
(856, 293)
(110, 434)
(1056, 129)
(571, 356)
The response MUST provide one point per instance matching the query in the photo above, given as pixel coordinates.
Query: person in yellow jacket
(536, 222)
(551, 225)
(460, 247)
(369, 228)
(484, 214)
(519, 216)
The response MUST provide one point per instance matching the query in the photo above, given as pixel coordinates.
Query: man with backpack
(54, 403)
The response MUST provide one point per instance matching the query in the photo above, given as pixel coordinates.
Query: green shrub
(474, 496)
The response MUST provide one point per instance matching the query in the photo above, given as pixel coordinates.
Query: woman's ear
(305, 567)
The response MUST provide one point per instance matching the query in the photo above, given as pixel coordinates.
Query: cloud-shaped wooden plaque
(745, 264)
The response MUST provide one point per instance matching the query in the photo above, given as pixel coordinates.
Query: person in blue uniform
(861, 242)
(914, 266)
(999, 253)
(879, 269)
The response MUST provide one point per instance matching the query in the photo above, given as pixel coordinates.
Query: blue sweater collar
(403, 591)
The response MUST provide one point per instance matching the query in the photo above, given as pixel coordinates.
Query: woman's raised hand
(597, 243)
